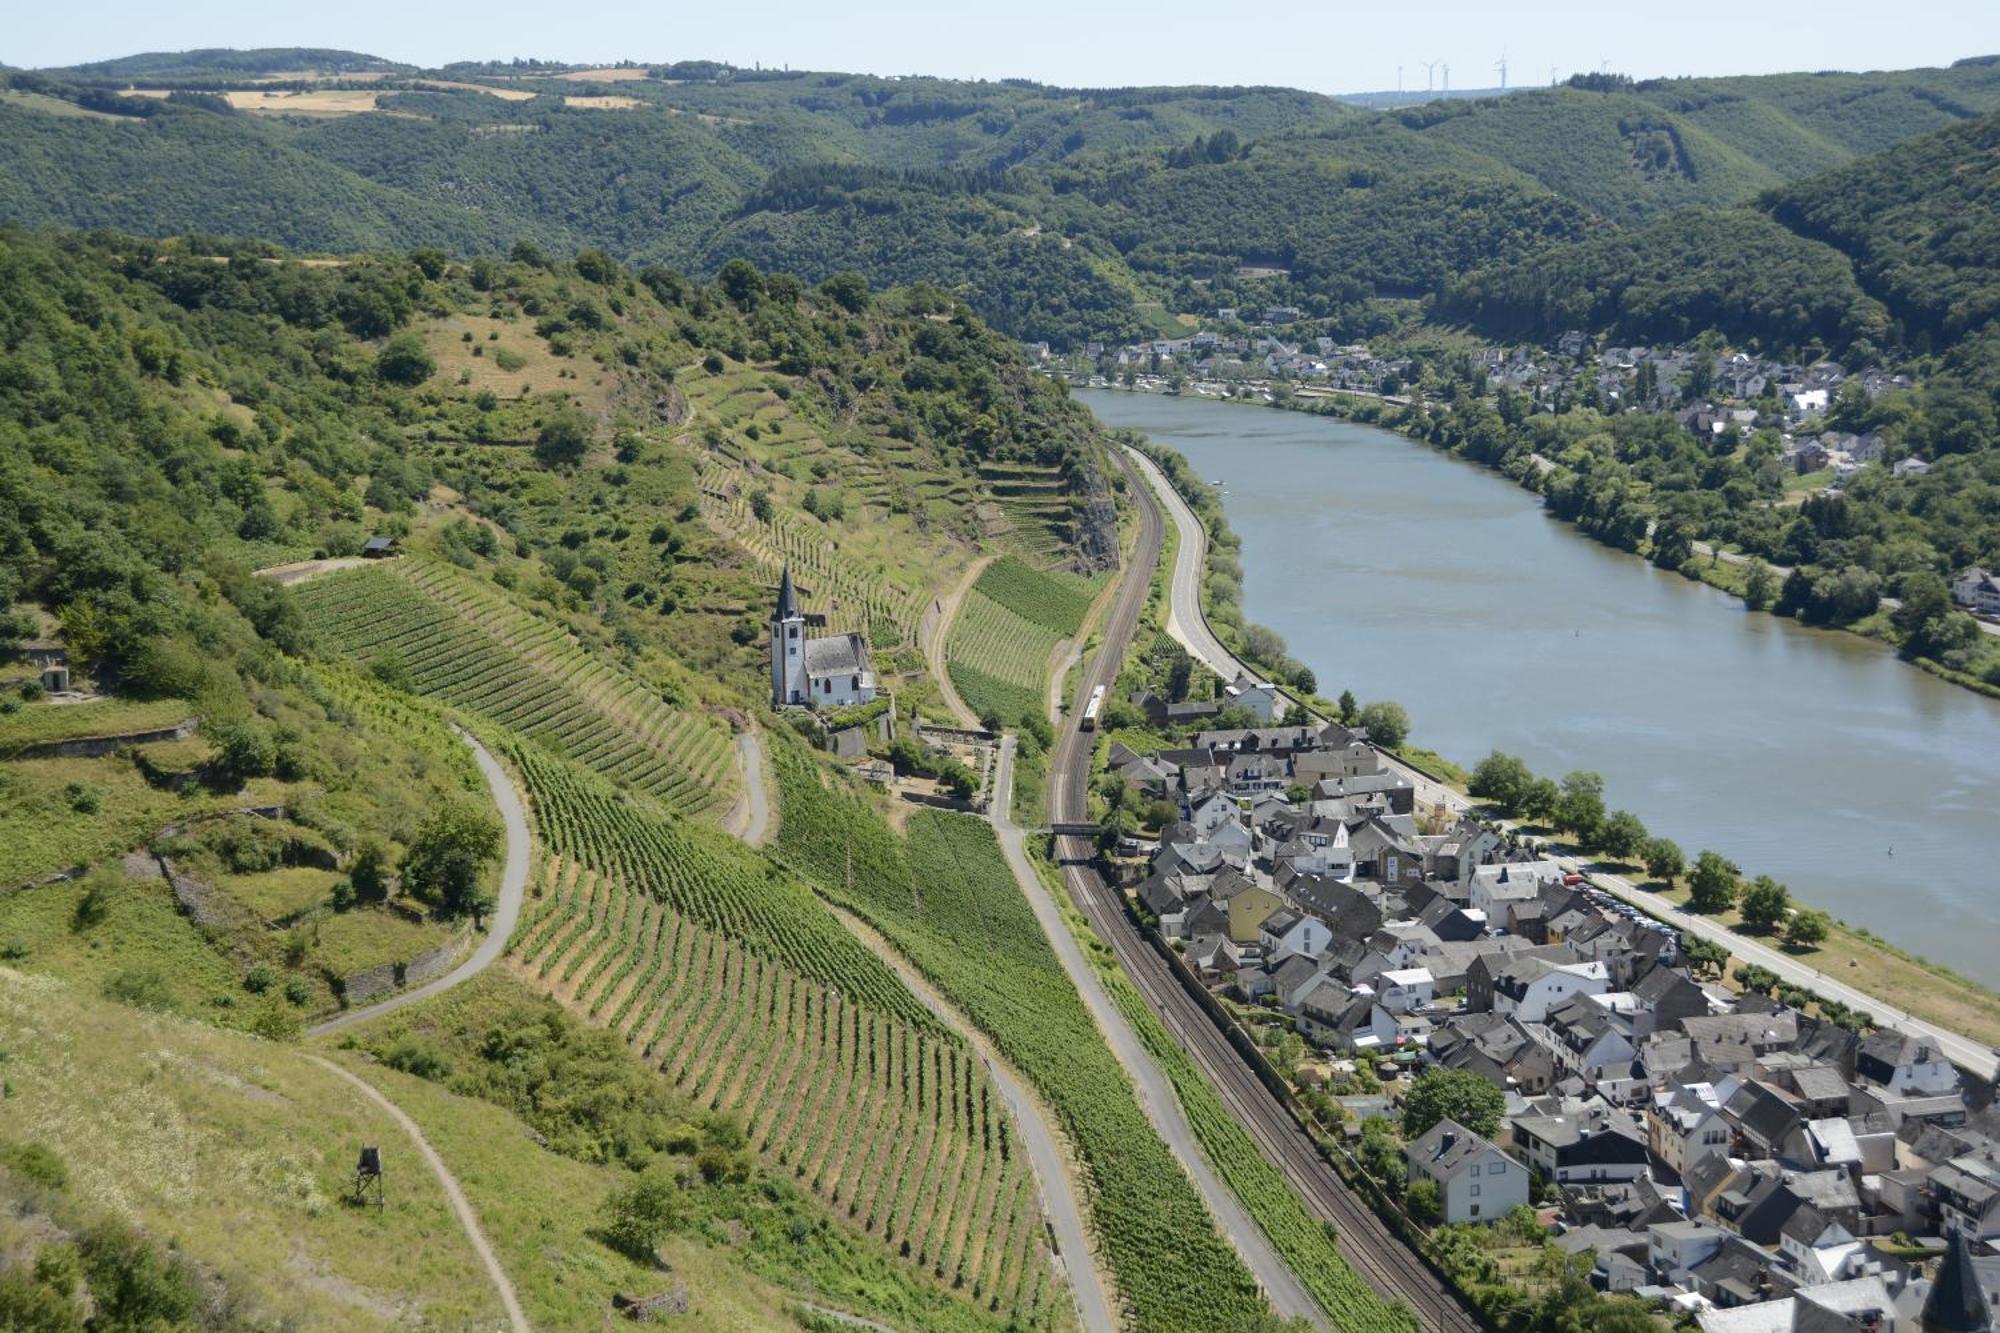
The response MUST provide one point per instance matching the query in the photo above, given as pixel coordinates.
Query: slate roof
(1955, 1303)
(837, 655)
(1447, 1148)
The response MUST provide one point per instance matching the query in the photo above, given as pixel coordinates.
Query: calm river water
(1401, 573)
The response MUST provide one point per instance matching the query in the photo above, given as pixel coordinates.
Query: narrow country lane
(1055, 1181)
(936, 648)
(751, 819)
(506, 908)
(1156, 1092)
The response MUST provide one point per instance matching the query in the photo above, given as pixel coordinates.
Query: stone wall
(95, 747)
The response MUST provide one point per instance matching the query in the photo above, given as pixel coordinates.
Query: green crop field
(466, 645)
(890, 1121)
(998, 660)
(946, 899)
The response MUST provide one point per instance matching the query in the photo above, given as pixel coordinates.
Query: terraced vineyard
(946, 899)
(851, 600)
(469, 646)
(746, 994)
(1036, 503)
(1007, 630)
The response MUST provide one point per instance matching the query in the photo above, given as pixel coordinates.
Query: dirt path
(506, 911)
(467, 1219)
(934, 651)
(298, 571)
(750, 819)
(1048, 1153)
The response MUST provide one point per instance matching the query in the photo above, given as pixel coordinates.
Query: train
(1093, 708)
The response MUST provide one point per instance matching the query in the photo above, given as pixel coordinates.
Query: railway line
(1382, 1259)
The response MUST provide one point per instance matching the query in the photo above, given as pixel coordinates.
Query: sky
(1334, 46)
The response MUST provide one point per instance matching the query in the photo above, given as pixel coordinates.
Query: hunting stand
(368, 1176)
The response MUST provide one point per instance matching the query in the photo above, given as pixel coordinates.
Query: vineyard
(1036, 503)
(891, 1121)
(468, 646)
(946, 898)
(1007, 630)
(1054, 599)
(872, 605)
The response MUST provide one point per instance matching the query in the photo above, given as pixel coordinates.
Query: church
(831, 671)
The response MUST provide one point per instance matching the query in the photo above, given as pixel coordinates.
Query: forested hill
(170, 420)
(1060, 214)
(1901, 248)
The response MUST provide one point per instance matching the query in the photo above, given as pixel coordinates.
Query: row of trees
(1715, 884)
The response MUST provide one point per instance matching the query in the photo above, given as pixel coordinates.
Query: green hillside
(1062, 215)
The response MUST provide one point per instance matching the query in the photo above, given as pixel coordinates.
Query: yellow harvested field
(603, 103)
(450, 85)
(617, 74)
(320, 102)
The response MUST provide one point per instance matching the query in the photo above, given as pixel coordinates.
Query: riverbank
(1718, 568)
(1926, 990)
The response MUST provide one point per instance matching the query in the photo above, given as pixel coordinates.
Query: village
(1699, 1143)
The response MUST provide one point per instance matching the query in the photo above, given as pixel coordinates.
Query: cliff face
(1096, 525)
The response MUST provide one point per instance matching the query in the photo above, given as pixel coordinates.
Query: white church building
(831, 671)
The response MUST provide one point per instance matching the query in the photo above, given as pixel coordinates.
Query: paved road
(1061, 1202)
(751, 819)
(1155, 1091)
(1962, 1050)
(1381, 1258)
(467, 1219)
(1185, 621)
(506, 911)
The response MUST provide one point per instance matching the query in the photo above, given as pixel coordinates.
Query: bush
(404, 360)
(141, 987)
(34, 1162)
(564, 440)
(413, 1055)
(259, 979)
(642, 1214)
(297, 992)
(1387, 723)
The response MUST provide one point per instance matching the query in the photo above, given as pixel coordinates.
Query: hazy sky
(1329, 47)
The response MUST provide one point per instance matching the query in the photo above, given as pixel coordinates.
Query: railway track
(1382, 1259)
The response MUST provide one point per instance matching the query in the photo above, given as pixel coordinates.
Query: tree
(1705, 957)
(1712, 883)
(1500, 778)
(1453, 1094)
(453, 846)
(1424, 1202)
(1387, 723)
(642, 1214)
(1621, 835)
(405, 360)
(1539, 799)
(1808, 928)
(1765, 902)
(1581, 808)
(1760, 586)
(564, 440)
(1349, 709)
(1663, 859)
(848, 290)
(1928, 620)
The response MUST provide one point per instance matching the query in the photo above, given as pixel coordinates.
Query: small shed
(55, 679)
(377, 548)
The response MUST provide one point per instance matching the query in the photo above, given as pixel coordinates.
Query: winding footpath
(1188, 626)
(467, 1219)
(506, 909)
(935, 654)
(1155, 1090)
(1096, 1303)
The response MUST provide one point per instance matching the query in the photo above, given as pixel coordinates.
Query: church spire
(788, 601)
(1955, 1303)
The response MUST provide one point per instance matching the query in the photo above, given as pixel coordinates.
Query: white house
(1261, 697)
(1404, 989)
(1685, 1124)
(1492, 887)
(1675, 1249)
(1527, 988)
(1978, 591)
(831, 671)
(1294, 933)
(1906, 1064)
(1476, 1182)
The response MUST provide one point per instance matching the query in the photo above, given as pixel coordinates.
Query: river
(1399, 572)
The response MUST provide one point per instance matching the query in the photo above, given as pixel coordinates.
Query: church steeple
(1955, 1303)
(788, 600)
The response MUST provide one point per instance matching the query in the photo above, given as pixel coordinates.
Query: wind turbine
(1429, 80)
(1399, 78)
(1447, 79)
(1502, 67)
(1552, 76)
